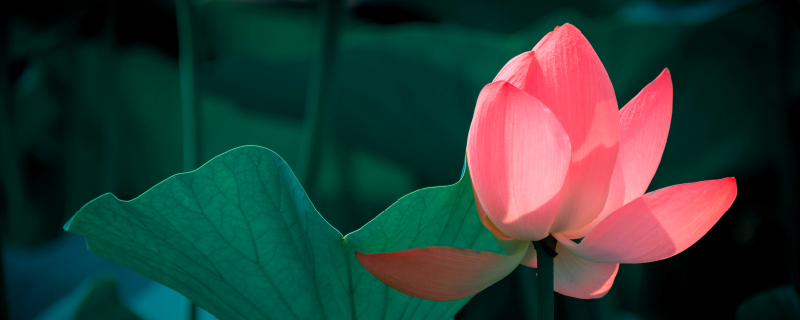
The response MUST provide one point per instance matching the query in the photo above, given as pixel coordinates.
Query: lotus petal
(487, 223)
(518, 155)
(657, 225)
(578, 278)
(515, 71)
(439, 273)
(644, 125)
(568, 77)
(530, 258)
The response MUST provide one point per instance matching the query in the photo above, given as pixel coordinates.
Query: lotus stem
(319, 85)
(12, 181)
(544, 259)
(183, 10)
(4, 313)
(192, 310)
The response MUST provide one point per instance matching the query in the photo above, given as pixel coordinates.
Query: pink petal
(615, 200)
(518, 155)
(512, 247)
(657, 225)
(515, 71)
(439, 273)
(644, 124)
(568, 77)
(578, 278)
(487, 223)
(530, 258)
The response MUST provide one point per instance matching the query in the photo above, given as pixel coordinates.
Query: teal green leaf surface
(437, 216)
(240, 237)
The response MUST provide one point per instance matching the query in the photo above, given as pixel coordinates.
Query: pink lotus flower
(549, 153)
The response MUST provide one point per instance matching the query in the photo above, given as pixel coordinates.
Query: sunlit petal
(657, 225)
(515, 71)
(644, 125)
(568, 77)
(518, 155)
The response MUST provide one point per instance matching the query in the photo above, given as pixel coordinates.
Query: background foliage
(91, 105)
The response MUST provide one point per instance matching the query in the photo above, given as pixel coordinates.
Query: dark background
(91, 104)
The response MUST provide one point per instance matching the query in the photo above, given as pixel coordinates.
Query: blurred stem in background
(183, 10)
(4, 314)
(192, 311)
(319, 84)
(186, 64)
(11, 180)
(111, 146)
(545, 283)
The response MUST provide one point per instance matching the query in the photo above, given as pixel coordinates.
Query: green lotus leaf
(240, 237)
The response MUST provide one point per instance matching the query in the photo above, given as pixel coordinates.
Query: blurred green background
(91, 104)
